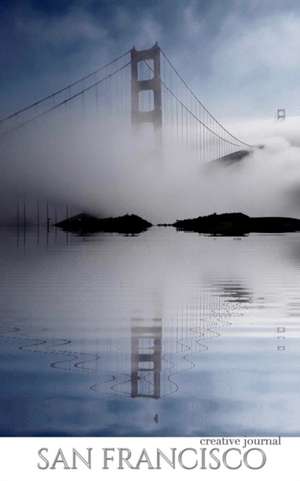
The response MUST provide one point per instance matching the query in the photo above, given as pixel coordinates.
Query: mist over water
(109, 170)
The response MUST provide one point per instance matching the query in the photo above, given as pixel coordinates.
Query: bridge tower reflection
(146, 351)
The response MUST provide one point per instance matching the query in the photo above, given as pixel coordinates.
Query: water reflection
(159, 334)
(235, 292)
(145, 367)
(146, 351)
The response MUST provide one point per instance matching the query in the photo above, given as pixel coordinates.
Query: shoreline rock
(89, 224)
(237, 223)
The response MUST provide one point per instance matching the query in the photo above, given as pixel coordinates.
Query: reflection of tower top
(146, 343)
(281, 114)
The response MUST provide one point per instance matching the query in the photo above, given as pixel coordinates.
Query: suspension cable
(199, 101)
(57, 92)
(191, 112)
(65, 101)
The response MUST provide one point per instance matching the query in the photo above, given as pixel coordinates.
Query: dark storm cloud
(229, 50)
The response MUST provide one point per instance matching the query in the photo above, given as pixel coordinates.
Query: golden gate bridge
(138, 87)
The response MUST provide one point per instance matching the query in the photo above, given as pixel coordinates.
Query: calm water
(166, 333)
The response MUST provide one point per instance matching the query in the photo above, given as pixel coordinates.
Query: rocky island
(88, 224)
(237, 223)
(234, 223)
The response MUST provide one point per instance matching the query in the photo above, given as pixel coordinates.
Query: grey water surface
(162, 334)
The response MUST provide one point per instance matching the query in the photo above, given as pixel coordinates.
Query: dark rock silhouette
(87, 224)
(237, 224)
(233, 158)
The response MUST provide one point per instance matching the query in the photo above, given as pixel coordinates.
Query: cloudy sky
(240, 56)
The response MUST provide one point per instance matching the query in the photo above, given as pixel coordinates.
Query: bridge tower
(281, 114)
(153, 84)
